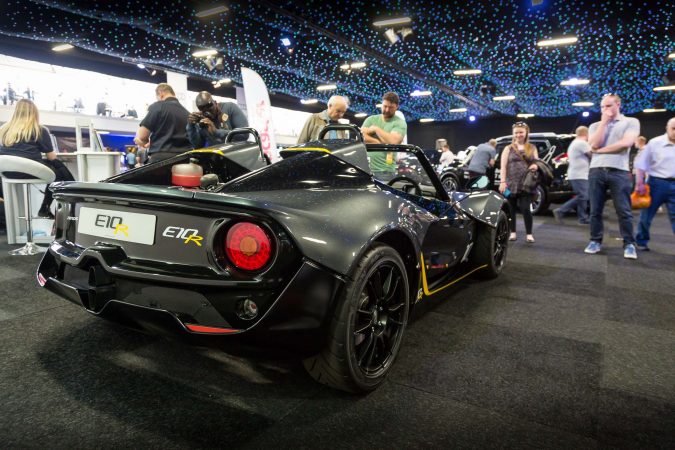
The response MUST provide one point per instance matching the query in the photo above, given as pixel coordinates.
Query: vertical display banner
(260, 111)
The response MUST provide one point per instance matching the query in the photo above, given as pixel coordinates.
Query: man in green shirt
(385, 128)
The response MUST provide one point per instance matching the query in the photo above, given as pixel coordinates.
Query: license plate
(119, 225)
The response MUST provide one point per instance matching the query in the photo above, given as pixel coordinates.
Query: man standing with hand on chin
(610, 141)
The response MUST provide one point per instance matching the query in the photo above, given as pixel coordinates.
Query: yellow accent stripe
(425, 286)
(316, 149)
(209, 151)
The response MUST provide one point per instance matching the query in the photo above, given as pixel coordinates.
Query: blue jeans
(579, 202)
(662, 191)
(619, 183)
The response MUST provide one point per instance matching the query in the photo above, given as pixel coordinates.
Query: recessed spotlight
(62, 47)
(417, 93)
(326, 87)
(653, 110)
(472, 118)
(140, 65)
(427, 119)
(582, 104)
(204, 53)
(524, 115)
(468, 72)
(574, 82)
(211, 11)
(153, 72)
(458, 110)
(286, 42)
(392, 22)
(360, 115)
(308, 101)
(565, 40)
(502, 98)
(585, 114)
(665, 88)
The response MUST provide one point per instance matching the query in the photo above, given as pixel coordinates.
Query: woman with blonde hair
(23, 136)
(516, 159)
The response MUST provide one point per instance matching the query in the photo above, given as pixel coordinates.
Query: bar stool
(42, 175)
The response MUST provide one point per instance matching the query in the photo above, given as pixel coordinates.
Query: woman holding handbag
(516, 159)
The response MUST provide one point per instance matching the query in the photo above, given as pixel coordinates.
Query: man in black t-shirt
(162, 129)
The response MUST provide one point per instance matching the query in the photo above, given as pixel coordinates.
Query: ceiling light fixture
(574, 82)
(379, 105)
(501, 98)
(468, 72)
(286, 42)
(392, 22)
(140, 65)
(524, 115)
(391, 36)
(308, 101)
(62, 47)
(427, 119)
(564, 40)
(214, 63)
(472, 118)
(670, 87)
(671, 56)
(585, 114)
(357, 65)
(418, 93)
(205, 53)
(211, 11)
(360, 115)
(582, 104)
(653, 110)
(344, 67)
(458, 110)
(326, 87)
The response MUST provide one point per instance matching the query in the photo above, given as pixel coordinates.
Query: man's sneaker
(593, 248)
(643, 248)
(629, 252)
(558, 216)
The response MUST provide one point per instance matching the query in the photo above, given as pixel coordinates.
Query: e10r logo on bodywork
(188, 234)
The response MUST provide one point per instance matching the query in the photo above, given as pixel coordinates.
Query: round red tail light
(248, 246)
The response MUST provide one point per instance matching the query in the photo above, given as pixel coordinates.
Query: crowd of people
(599, 158)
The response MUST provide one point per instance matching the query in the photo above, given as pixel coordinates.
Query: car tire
(540, 202)
(368, 325)
(491, 247)
(450, 183)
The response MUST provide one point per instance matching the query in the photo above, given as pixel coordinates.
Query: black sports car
(311, 253)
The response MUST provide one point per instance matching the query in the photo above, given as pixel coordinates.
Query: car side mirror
(480, 182)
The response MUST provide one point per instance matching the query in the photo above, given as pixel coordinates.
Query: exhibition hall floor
(563, 350)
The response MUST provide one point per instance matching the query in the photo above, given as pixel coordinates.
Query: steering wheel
(408, 180)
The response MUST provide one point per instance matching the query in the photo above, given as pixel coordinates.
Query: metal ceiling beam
(374, 54)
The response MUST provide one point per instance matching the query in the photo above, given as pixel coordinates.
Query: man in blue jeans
(579, 157)
(610, 141)
(658, 161)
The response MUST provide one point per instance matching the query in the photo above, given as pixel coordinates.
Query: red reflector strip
(41, 279)
(210, 330)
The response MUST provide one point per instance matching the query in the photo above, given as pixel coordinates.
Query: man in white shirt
(658, 161)
(579, 159)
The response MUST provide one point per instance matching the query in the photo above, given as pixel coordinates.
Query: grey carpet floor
(565, 350)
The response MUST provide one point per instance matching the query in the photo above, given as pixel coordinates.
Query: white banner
(259, 111)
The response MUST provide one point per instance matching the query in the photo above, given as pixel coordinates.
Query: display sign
(118, 225)
(260, 111)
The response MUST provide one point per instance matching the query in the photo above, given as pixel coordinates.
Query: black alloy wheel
(450, 183)
(368, 325)
(491, 247)
(539, 201)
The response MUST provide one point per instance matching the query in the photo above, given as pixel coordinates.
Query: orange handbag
(638, 201)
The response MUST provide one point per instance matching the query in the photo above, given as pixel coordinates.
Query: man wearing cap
(214, 121)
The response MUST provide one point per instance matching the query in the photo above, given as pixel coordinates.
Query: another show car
(310, 254)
